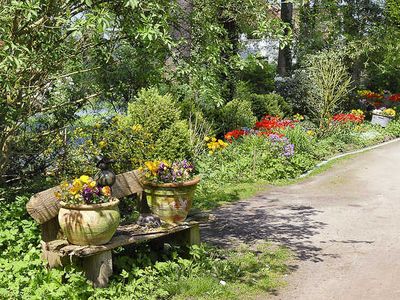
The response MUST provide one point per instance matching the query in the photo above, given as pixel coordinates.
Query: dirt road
(344, 226)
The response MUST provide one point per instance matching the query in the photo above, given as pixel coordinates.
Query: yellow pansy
(77, 184)
(84, 179)
(92, 184)
(310, 132)
(74, 190)
(152, 166)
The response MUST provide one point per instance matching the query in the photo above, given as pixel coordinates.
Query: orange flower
(106, 191)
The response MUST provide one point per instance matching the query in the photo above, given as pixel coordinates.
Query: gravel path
(344, 226)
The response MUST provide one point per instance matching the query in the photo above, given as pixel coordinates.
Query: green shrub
(259, 75)
(173, 143)
(269, 104)
(154, 112)
(236, 114)
(294, 90)
(151, 129)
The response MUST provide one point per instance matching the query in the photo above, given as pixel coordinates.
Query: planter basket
(89, 224)
(380, 120)
(171, 202)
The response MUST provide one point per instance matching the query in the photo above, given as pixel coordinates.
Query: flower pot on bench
(171, 202)
(89, 224)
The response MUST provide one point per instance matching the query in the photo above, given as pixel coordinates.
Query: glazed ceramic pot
(89, 224)
(171, 202)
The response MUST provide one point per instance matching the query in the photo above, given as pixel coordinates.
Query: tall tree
(285, 53)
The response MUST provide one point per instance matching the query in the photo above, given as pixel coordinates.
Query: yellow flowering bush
(83, 190)
(214, 145)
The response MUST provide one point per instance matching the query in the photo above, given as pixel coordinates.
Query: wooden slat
(44, 206)
(127, 184)
(118, 240)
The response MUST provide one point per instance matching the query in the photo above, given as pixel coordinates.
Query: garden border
(324, 162)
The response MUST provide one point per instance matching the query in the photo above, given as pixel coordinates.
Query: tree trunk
(232, 30)
(285, 54)
(182, 29)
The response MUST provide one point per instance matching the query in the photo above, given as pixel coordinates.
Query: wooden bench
(96, 261)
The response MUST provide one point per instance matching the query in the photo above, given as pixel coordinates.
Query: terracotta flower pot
(171, 202)
(89, 224)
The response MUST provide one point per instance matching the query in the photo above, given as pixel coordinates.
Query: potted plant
(383, 116)
(89, 215)
(169, 189)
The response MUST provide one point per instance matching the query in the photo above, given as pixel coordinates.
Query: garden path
(343, 224)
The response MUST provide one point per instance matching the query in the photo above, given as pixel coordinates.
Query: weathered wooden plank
(127, 184)
(49, 232)
(44, 206)
(118, 240)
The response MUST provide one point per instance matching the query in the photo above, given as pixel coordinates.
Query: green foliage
(393, 11)
(259, 75)
(328, 83)
(237, 114)
(153, 111)
(302, 141)
(151, 129)
(144, 274)
(393, 128)
(174, 143)
(383, 60)
(250, 159)
(294, 90)
(269, 104)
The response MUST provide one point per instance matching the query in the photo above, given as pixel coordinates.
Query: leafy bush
(269, 104)
(259, 75)
(236, 114)
(151, 129)
(154, 112)
(303, 141)
(294, 90)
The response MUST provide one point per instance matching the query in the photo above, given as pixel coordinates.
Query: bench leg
(98, 268)
(188, 237)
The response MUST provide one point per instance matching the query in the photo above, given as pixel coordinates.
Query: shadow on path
(263, 219)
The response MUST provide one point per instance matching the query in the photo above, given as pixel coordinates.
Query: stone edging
(347, 154)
